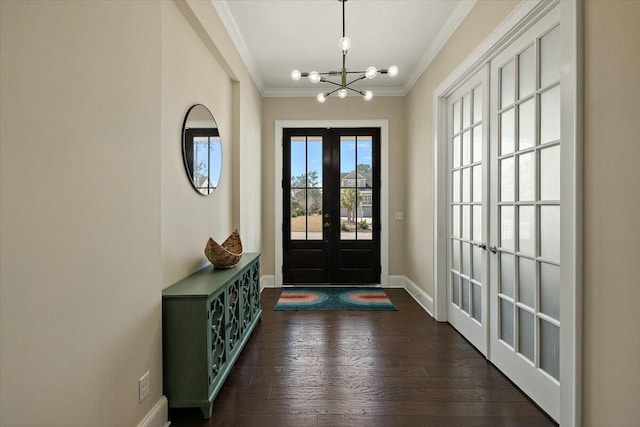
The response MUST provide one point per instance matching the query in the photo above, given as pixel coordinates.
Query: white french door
(525, 208)
(508, 146)
(467, 293)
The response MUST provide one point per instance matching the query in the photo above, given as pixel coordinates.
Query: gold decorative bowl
(227, 254)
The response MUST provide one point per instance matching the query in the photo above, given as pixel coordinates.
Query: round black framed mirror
(202, 149)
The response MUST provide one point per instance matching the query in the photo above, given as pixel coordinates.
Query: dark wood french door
(331, 206)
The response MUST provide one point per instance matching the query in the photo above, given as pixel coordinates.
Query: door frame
(384, 186)
(521, 19)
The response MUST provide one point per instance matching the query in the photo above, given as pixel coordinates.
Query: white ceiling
(277, 36)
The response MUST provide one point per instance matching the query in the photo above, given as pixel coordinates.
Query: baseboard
(267, 282)
(158, 416)
(424, 299)
(397, 281)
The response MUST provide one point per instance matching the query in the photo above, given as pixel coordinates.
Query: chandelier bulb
(295, 75)
(342, 93)
(368, 95)
(321, 97)
(314, 77)
(345, 44)
(392, 71)
(371, 72)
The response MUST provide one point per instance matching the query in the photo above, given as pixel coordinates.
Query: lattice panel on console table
(234, 313)
(255, 289)
(218, 331)
(246, 292)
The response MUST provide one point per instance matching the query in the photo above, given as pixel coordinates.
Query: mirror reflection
(202, 149)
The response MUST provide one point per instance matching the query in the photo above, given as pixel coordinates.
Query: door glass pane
(314, 214)
(314, 161)
(477, 143)
(347, 161)
(465, 294)
(525, 334)
(527, 71)
(550, 232)
(550, 115)
(466, 110)
(456, 186)
(527, 281)
(527, 123)
(466, 258)
(477, 223)
(526, 177)
(506, 227)
(466, 222)
(348, 211)
(507, 274)
(477, 183)
(455, 251)
(364, 215)
(550, 290)
(298, 161)
(466, 147)
(365, 161)
(507, 84)
(477, 264)
(550, 349)
(550, 173)
(455, 220)
(506, 322)
(466, 185)
(526, 230)
(507, 132)
(550, 57)
(476, 302)
(456, 151)
(455, 289)
(298, 214)
(456, 117)
(477, 105)
(506, 180)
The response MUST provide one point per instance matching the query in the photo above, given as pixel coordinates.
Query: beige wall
(97, 216)
(188, 219)
(611, 199)
(80, 212)
(352, 108)
(478, 24)
(611, 347)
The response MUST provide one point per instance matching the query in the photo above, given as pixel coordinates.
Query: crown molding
(438, 43)
(229, 23)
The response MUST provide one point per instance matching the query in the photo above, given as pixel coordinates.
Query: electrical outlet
(143, 387)
(399, 216)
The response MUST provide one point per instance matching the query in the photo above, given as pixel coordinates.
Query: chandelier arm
(332, 92)
(333, 83)
(362, 77)
(355, 90)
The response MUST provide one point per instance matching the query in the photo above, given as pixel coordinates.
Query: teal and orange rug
(333, 298)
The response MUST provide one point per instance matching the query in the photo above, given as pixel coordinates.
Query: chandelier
(344, 85)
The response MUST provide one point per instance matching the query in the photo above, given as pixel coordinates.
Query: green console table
(207, 318)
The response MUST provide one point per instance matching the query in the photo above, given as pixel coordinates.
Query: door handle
(493, 248)
(480, 245)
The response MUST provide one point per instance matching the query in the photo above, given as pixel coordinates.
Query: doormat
(300, 299)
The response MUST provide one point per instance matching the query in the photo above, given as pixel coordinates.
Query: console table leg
(207, 411)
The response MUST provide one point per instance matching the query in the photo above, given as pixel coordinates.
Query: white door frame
(517, 23)
(384, 185)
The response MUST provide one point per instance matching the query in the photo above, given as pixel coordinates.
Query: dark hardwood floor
(362, 368)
